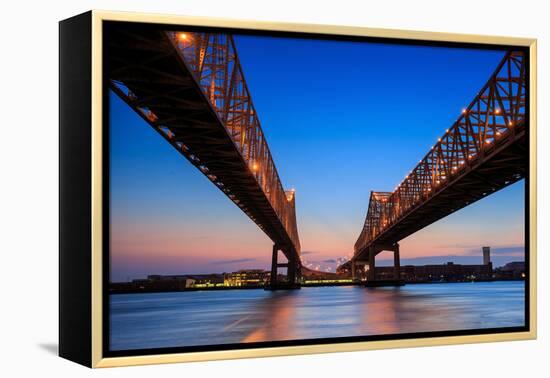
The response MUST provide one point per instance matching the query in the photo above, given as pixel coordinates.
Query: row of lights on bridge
(497, 111)
(256, 167)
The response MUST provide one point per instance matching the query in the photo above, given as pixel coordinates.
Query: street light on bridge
(290, 194)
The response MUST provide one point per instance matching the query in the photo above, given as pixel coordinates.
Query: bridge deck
(484, 151)
(504, 166)
(147, 70)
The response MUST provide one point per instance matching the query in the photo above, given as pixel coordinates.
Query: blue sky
(341, 119)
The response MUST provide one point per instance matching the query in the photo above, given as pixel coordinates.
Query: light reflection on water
(158, 320)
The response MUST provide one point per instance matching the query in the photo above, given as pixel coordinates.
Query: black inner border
(106, 25)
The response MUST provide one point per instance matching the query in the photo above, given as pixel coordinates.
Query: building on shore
(449, 272)
(153, 284)
(206, 280)
(187, 281)
(246, 277)
(179, 282)
(512, 271)
(486, 255)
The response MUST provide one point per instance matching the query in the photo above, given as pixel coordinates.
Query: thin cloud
(461, 246)
(233, 261)
(475, 250)
(498, 260)
(506, 250)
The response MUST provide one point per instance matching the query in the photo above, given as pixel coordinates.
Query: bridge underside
(145, 61)
(484, 151)
(499, 167)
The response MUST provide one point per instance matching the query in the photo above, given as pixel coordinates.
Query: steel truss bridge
(484, 151)
(190, 88)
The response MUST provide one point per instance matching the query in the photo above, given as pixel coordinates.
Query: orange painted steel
(190, 87)
(215, 64)
(482, 152)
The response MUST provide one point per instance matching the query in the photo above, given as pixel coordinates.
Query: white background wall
(29, 174)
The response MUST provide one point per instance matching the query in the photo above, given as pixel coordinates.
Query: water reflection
(218, 317)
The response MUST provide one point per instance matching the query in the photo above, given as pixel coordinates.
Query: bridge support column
(371, 276)
(372, 281)
(396, 263)
(274, 258)
(292, 271)
(293, 267)
(358, 269)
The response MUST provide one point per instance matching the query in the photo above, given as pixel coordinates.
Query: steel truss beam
(191, 89)
(481, 153)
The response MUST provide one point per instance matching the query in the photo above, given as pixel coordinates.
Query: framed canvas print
(234, 189)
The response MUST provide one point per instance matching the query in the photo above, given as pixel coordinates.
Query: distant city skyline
(336, 131)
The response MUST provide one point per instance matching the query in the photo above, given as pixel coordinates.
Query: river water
(157, 320)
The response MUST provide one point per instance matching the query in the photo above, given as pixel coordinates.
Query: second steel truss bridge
(484, 151)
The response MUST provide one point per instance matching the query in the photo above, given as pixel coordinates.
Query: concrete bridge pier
(372, 281)
(396, 263)
(293, 267)
(355, 266)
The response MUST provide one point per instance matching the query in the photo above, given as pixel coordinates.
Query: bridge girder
(190, 88)
(482, 152)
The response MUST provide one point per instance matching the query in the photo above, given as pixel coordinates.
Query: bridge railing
(494, 116)
(213, 60)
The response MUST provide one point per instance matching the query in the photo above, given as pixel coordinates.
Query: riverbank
(140, 290)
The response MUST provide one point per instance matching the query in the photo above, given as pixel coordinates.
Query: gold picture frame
(96, 265)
